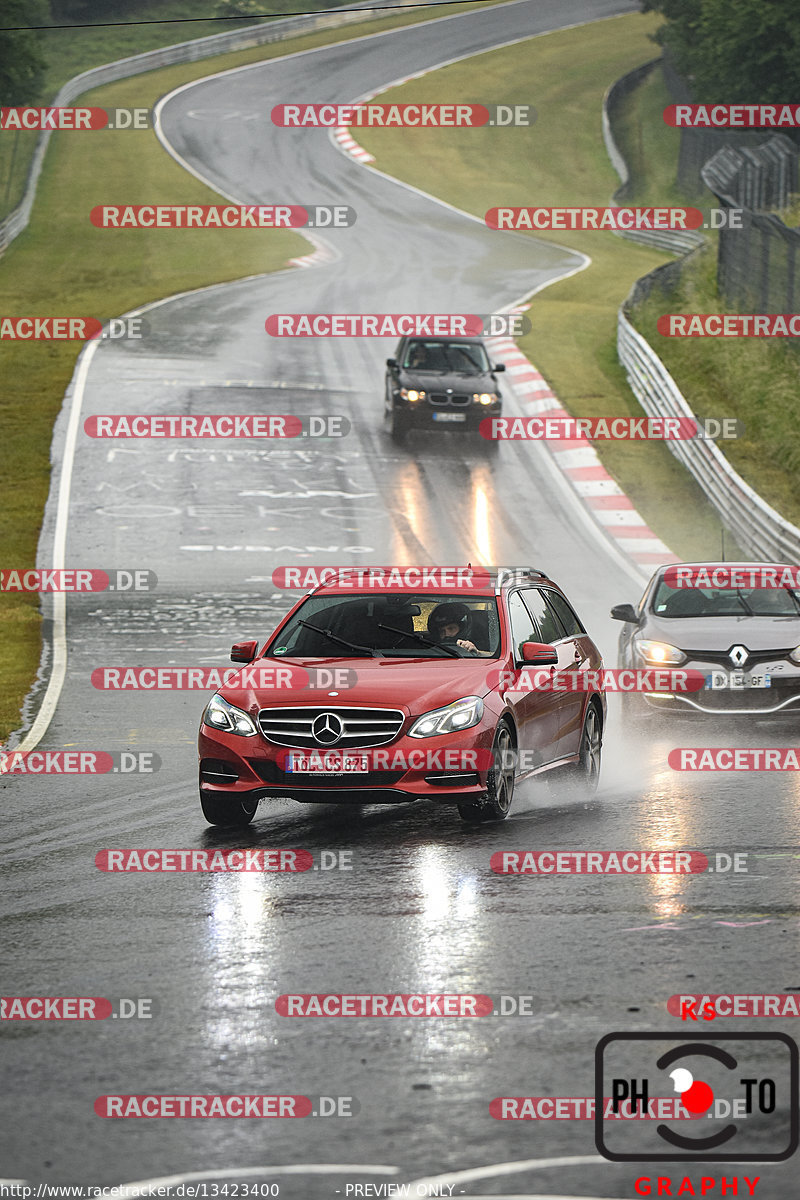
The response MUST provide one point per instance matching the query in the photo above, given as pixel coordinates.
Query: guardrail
(675, 242)
(758, 528)
(168, 56)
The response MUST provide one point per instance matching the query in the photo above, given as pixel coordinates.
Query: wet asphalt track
(420, 911)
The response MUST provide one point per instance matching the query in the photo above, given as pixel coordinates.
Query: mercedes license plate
(328, 763)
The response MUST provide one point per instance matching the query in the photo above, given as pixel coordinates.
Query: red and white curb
(344, 138)
(318, 257)
(579, 463)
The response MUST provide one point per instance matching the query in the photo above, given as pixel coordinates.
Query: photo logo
(724, 1079)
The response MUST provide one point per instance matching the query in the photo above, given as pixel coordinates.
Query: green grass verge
(62, 265)
(561, 160)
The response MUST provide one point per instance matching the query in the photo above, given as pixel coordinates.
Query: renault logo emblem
(327, 729)
(738, 655)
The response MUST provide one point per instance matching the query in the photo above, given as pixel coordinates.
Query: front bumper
(424, 415)
(781, 697)
(450, 769)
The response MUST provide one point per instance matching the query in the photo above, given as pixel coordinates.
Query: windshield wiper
(420, 637)
(744, 603)
(334, 637)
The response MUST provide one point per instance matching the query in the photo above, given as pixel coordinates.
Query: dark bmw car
(440, 383)
(745, 639)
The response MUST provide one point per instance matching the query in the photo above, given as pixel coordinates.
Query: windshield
(725, 602)
(453, 358)
(396, 626)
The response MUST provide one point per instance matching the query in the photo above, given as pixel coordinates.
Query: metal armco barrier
(169, 56)
(673, 242)
(759, 529)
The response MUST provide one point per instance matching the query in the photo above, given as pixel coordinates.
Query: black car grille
(449, 399)
(722, 657)
(359, 726)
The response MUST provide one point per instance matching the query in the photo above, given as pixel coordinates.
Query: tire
(499, 783)
(398, 427)
(228, 810)
(585, 775)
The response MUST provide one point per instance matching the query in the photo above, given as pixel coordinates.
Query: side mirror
(499, 367)
(539, 653)
(244, 652)
(625, 612)
(391, 362)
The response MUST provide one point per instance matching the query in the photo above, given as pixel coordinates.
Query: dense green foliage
(733, 51)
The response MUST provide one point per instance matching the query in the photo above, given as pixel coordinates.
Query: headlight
(485, 397)
(411, 394)
(660, 654)
(221, 715)
(794, 655)
(461, 714)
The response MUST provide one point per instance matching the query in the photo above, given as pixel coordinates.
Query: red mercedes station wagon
(383, 694)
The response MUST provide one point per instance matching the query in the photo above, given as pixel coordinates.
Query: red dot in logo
(697, 1098)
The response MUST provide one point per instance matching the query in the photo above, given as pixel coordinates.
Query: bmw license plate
(736, 681)
(328, 763)
(449, 416)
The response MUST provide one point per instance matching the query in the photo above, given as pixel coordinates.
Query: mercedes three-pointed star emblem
(327, 729)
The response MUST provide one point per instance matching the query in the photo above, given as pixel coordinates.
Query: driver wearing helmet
(450, 623)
